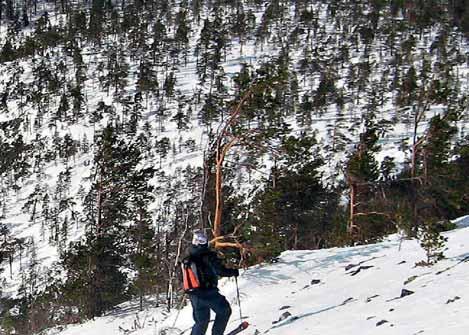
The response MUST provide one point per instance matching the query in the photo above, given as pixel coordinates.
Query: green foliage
(14, 157)
(459, 183)
(370, 218)
(362, 165)
(325, 89)
(294, 208)
(8, 52)
(438, 170)
(8, 323)
(95, 279)
(437, 149)
(432, 242)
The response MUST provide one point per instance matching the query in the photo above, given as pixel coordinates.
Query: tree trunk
(353, 195)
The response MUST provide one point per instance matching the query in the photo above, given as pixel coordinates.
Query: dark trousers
(204, 301)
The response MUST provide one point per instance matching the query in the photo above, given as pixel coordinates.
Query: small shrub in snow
(432, 242)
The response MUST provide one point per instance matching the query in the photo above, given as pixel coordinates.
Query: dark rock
(353, 273)
(391, 310)
(282, 317)
(350, 266)
(382, 322)
(315, 281)
(403, 262)
(372, 297)
(284, 307)
(347, 301)
(405, 293)
(370, 317)
(453, 300)
(410, 279)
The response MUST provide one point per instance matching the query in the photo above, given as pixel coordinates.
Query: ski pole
(239, 300)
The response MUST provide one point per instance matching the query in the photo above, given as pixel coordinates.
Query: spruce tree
(293, 209)
(366, 222)
(118, 199)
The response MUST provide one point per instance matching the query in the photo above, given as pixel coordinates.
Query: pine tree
(432, 242)
(109, 210)
(437, 147)
(459, 184)
(8, 53)
(435, 202)
(62, 110)
(143, 254)
(135, 114)
(293, 210)
(169, 84)
(182, 32)
(362, 173)
(78, 99)
(147, 81)
(96, 21)
(102, 249)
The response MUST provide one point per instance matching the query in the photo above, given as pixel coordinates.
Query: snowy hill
(372, 289)
(55, 132)
(351, 103)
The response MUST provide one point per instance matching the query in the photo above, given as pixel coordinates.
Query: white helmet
(199, 238)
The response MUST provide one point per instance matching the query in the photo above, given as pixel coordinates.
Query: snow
(324, 293)
(317, 306)
(253, 53)
(462, 221)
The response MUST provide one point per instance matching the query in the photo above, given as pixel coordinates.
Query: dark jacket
(209, 266)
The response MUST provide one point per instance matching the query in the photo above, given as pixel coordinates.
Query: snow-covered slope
(333, 291)
(325, 40)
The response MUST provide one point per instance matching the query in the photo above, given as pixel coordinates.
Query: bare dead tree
(225, 140)
(417, 141)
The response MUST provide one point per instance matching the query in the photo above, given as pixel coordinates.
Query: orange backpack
(189, 276)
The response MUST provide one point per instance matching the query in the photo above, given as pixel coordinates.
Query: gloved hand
(235, 272)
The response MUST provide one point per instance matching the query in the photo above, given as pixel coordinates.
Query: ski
(239, 329)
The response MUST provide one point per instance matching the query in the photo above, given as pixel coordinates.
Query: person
(207, 297)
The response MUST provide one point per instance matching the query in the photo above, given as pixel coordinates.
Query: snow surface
(322, 295)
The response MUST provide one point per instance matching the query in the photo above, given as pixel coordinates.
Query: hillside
(332, 291)
(342, 122)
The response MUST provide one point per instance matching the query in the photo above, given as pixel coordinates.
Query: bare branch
(371, 213)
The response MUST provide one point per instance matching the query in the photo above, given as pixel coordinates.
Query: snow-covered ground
(159, 113)
(358, 290)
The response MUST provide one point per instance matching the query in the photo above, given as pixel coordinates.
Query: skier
(206, 297)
